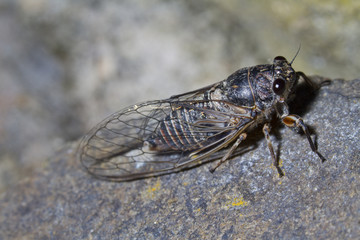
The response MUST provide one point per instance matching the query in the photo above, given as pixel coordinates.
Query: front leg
(311, 83)
(294, 121)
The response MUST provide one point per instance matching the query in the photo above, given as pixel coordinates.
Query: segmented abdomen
(187, 128)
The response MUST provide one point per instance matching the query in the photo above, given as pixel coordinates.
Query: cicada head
(284, 79)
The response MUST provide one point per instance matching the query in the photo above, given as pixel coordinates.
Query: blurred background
(65, 65)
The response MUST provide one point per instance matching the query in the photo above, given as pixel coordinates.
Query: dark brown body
(165, 136)
(244, 98)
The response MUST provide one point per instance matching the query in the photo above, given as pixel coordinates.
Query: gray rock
(243, 199)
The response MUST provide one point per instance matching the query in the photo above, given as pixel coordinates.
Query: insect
(165, 136)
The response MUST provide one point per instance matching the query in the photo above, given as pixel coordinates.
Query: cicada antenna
(296, 54)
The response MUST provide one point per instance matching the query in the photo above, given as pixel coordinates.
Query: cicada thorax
(263, 86)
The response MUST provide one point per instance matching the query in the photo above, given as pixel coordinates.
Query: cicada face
(284, 79)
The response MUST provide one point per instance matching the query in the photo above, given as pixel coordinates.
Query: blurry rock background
(65, 65)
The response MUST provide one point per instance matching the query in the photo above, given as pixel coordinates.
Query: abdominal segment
(188, 129)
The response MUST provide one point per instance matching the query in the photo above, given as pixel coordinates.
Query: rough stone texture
(243, 199)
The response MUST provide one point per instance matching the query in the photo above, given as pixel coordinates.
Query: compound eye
(279, 86)
(279, 58)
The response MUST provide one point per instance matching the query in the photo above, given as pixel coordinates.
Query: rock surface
(243, 199)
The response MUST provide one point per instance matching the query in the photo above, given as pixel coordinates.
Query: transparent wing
(118, 147)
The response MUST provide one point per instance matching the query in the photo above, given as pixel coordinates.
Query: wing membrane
(118, 147)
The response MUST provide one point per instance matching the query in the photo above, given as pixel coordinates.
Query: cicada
(165, 136)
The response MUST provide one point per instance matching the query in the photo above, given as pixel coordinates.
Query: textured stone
(243, 199)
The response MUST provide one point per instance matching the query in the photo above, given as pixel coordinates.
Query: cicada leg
(266, 131)
(294, 121)
(241, 138)
(311, 83)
